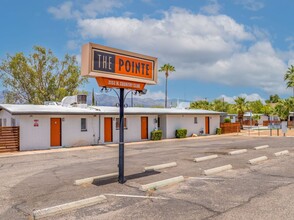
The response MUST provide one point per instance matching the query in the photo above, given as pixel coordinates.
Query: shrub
(156, 135)
(227, 120)
(218, 131)
(181, 133)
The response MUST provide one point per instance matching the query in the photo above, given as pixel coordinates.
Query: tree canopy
(39, 77)
(289, 78)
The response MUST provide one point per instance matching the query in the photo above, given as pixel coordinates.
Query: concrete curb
(281, 153)
(160, 166)
(261, 147)
(91, 179)
(257, 160)
(42, 213)
(162, 183)
(237, 152)
(199, 159)
(217, 169)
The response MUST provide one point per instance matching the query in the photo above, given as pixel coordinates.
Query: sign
(36, 123)
(118, 68)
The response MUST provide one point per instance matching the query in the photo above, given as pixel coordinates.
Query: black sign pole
(121, 178)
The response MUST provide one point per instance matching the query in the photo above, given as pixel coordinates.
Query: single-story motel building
(46, 126)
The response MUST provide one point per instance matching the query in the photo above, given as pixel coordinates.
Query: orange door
(55, 132)
(107, 129)
(207, 125)
(144, 127)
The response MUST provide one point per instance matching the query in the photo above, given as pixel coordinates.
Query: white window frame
(195, 120)
(83, 124)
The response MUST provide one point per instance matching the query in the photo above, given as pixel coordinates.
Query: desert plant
(227, 120)
(156, 135)
(181, 133)
(218, 131)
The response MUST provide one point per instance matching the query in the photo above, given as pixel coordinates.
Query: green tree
(167, 68)
(219, 105)
(255, 106)
(202, 104)
(283, 108)
(289, 78)
(39, 77)
(273, 98)
(240, 106)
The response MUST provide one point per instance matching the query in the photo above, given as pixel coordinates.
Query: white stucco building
(46, 126)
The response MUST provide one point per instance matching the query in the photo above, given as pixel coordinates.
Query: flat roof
(19, 109)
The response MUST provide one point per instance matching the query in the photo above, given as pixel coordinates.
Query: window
(83, 124)
(195, 120)
(4, 122)
(13, 122)
(0, 122)
(158, 122)
(117, 123)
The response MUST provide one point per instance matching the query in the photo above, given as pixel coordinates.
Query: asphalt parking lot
(261, 191)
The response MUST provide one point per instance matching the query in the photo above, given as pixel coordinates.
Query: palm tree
(289, 77)
(283, 108)
(240, 106)
(167, 68)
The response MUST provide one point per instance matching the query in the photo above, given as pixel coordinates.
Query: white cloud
(252, 5)
(152, 95)
(208, 48)
(100, 7)
(63, 11)
(251, 97)
(212, 8)
(74, 10)
(72, 44)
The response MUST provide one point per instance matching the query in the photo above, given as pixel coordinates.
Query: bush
(181, 133)
(218, 131)
(227, 120)
(156, 135)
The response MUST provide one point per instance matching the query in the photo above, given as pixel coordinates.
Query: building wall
(133, 131)
(4, 115)
(163, 126)
(175, 122)
(38, 137)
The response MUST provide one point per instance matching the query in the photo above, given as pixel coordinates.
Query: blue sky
(219, 48)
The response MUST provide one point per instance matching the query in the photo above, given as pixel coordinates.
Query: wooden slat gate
(9, 139)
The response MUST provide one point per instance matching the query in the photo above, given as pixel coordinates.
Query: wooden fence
(9, 139)
(230, 127)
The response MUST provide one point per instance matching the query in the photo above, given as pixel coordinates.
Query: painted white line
(161, 183)
(199, 159)
(237, 152)
(135, 196)
(257, 160)
(261, 147)
(281, 153)
(91, 179)
(205, 178)
(160, 166)
(217, 169)
(42, 213)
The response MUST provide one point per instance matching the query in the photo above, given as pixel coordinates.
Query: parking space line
(136, 196)
(42, 213)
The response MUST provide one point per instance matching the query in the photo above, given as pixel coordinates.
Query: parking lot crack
(249, 200)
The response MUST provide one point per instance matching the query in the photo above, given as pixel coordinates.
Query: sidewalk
(104, 146)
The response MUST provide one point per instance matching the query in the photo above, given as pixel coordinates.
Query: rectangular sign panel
(116, 83)
(110, 63)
